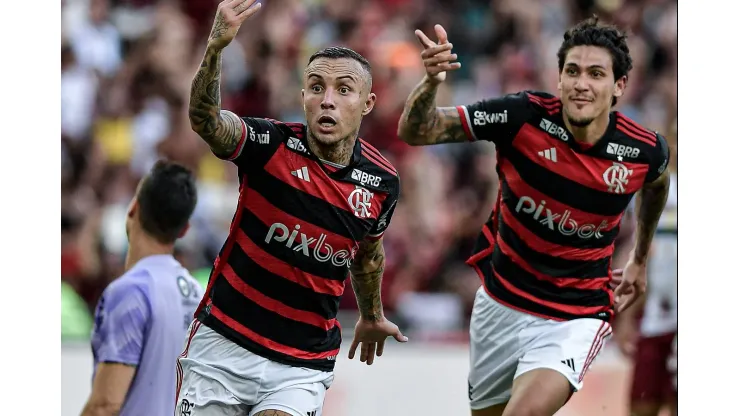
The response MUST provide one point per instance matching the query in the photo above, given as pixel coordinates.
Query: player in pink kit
(651, 339)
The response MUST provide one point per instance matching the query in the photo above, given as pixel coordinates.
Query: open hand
(438, 57)
(632, 284)
(229, 17)
(372, 335)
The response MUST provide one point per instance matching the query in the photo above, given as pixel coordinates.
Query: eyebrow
(589, 67)
(314, 75)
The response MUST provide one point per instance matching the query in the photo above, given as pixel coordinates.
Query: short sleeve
(659, 158)
(121, 320)
(386, 213)
(260, 138)
(495, 120)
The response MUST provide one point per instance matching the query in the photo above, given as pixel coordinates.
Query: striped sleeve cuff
(465, 119)
(242, 142)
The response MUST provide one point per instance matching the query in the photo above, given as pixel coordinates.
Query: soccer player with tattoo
(568, 167)
(314, 202)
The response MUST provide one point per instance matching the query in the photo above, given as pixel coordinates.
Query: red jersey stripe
(319, 185)
(276, 306)
(631, 123)
(565, 282)
(378, 162)
(579, 168)
(370, 149)
(522, 188)
(242, 142)
(269, 214)
(551, 249)
(285, 270)
(570, 309)
(267, 343)
(463, 113)
(635, 135)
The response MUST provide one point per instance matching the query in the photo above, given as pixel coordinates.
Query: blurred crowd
(126, 72)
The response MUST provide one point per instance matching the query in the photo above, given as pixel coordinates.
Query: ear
(132, 208)
(184, 230)
(303, 99)
(560, 83)
(369, 104)
(619, 86)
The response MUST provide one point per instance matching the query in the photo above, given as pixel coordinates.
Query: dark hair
(590, 33)
(336, 52)
(166, 200)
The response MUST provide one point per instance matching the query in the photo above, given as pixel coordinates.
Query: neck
(590, 133)
(340, 152)
(145, 246)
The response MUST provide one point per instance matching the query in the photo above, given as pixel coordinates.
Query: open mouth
(327, 122)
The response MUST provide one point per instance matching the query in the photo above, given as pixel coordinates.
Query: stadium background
(125, 78)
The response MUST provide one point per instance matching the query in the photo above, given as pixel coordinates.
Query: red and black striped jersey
(548, 244)
(276, 284)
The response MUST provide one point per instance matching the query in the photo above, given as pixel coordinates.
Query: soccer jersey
(276, 284)
(547, 246)
(141, 320)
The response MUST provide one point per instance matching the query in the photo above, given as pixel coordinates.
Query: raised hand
(437, 57)
(229, 17)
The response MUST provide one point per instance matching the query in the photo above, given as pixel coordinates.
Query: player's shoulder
(630, 132)
(263, 130)
(541, 102)
(135, 282)
(375, 169)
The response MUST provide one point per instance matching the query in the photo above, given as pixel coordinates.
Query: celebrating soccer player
(568, 167)
(314, 202)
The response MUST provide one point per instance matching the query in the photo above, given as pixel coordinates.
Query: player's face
(587, 84)
(336, 95)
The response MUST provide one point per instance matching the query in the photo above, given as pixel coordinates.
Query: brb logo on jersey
(554, 130)
(296, 144)
(563, 223)
(302, 243)
(616, 177)
(622, 150)
(365, 178)
(359, 200)
(481, 118)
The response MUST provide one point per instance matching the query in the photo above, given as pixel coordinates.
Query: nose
(581, 84)
(327, 103)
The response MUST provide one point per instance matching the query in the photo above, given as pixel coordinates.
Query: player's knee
(271, 412)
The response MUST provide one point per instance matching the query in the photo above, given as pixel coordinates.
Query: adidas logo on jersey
(554, 130)
(622, 150)
(296, 144)
(549, 154)
(301, 174)
(365, 178)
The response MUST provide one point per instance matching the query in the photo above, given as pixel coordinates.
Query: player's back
(161, 296)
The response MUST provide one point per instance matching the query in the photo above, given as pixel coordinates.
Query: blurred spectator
(126, 72)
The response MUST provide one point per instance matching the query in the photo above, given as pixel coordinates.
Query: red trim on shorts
(604, 331)
(193, 329)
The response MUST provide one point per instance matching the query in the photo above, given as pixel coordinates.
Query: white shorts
(506, 343)
(216, 377)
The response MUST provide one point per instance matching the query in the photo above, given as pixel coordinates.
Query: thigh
(568, 348)
(202, 396)
(495, 349)
(295, 400)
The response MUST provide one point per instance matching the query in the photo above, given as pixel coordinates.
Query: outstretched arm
(221, 129)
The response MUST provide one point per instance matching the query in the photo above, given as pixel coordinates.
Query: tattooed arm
(423, 123)
(221, 129)
(367, 273)
(650, 203)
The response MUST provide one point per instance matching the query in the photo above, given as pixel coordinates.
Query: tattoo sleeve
(221, 129)
(367, 272)
(423, 123)
(650, 203)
